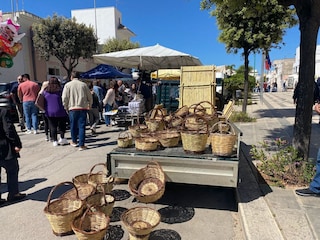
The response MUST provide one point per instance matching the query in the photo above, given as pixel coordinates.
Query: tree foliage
(114, 45)
(250, 25)
(65, 39)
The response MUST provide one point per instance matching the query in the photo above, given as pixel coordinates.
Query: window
(54, 71)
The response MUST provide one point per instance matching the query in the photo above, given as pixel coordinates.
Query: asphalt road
(189, 212)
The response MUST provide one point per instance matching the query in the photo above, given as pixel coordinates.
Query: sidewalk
(270, 212)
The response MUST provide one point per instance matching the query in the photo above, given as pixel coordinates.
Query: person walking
(10, 146)
(77, 99)
(42, 114)
(27, 93)
(55, 112)
(100, 94)
(109, 101)
(94, 116)
(17, 102)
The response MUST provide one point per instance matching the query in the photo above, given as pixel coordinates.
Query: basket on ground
(104, 201)
(140, 221)
(100, 179)
(62, 211)
(146, 143)
(125, 139)
(92, 225)
(80, 179)
(148, 184)
(84, 190)
(223, 142)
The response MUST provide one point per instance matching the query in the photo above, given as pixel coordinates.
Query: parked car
(6, 100)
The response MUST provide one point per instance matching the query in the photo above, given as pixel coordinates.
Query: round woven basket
(140, 221)
(125, 139)
(84, 190)
(92, 225)
(182, 111)
(62, 211)
(135, 130)
(148, 184)
(100, 180)
(223, 141)
(168, 138)
(146, 143)
(105, 202)
(80, 179)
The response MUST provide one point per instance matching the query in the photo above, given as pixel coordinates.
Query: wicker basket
(92, 225)
(168, 138)
(100, 179)
(80, 179)
(84, 190)
(155, 121)
(183, 111)
(146, 143)
(125, 139)
(62, 211)
(148, 184)
(140, 221)
(135, 130)
(105, 202)
(223, 142)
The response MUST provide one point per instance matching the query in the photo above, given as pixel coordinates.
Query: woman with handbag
(109, 101)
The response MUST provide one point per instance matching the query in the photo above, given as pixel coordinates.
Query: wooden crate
(197, 83)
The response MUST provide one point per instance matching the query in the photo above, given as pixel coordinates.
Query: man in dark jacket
(10, 145)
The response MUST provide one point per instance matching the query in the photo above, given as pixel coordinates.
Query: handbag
(40, 102)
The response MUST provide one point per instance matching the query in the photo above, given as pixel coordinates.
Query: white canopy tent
(148, 58)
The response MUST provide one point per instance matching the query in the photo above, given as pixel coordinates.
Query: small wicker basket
(136, 129)
(140, 221)
(182, 111)
(100, 179)
(146, 143)
(223, 141)
(105, 202)
(62, 211)
(125, 139)
(148, 184)
(92, 225)
(168, 138)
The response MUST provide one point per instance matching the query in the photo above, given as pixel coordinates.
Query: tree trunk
(246, 81)
(309, 31)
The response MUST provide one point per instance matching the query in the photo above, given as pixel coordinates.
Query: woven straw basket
(183, 111)
(148, 184)
(92, 225)
(146, 143)
(100, 179)
(168, 138)
(84, 190)
(105, 202)
(222, 142)
(62, 211)
(135, 130)
(140, 221)
(125, 140)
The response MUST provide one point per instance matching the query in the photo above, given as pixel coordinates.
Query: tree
(114, 45)
(65, 39)
(250, 25)
(236, 82)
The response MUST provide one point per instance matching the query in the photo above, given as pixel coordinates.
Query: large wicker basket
(92, 225)
(62, 211)
(223, 140)
(100, 179)
(84, 190)
(148, 184)
(140, 221)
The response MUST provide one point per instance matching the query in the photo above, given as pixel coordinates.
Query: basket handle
(224, 122)
(154, 163)
(198, 117)
(58, 185)
(99, 164)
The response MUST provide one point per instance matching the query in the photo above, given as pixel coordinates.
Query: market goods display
(62, 211)
(223, 139)
(100, 179)
(92, 225)
(140, 222)
(148, 183)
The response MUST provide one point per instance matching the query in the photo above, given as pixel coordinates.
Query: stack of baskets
(148, 183)
(91, 190)
(223, 139)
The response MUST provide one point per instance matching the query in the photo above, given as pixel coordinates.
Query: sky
(176, 24)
